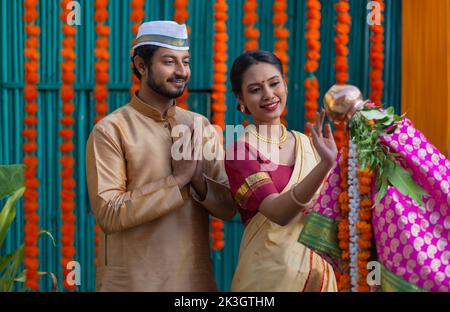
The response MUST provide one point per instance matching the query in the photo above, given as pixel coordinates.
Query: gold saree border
(320, 234)
(394, 283)
(251, 184)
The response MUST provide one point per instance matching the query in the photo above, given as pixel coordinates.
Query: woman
(274, 175)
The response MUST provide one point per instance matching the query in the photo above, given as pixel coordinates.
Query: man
(152, 209)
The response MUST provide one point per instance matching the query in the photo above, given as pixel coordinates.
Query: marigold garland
(364, 227)
(249, 20)
(311, 83)
(101, 53)
(281, 33)
(66, 134)
(218, 95)
(341, 60)
(30, 160)
(136, 16)
(377, 58)
(251, 33)
(101, 77)
(181, 15)
(343, 226)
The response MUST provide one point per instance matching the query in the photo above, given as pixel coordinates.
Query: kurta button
(166, 125)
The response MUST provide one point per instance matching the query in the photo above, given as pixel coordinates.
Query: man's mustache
(178, 78)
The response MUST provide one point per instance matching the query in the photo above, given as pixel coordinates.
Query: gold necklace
(278, 142)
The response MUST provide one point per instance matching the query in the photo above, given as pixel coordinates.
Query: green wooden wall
(12, 38)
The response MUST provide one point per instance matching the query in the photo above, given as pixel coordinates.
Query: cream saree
(270, 256)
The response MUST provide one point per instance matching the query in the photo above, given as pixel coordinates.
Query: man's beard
(162, 90)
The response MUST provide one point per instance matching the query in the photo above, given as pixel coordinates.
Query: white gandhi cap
(167, 34)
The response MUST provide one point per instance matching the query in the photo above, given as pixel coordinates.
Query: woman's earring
(242, 108)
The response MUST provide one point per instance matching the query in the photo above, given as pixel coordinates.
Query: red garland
(181, 15)
(218, 94)
(136, 16)
(377, 58)
(312, 60)
(66, 134)
(30, 160)
(102, 59)
(249, 20)
(281, 33)
(341, 61)
(101, 77)
(251, 33)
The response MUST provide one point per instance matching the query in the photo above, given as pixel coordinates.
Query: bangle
(298, 202)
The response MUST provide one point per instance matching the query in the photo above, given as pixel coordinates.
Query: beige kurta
(154, 236)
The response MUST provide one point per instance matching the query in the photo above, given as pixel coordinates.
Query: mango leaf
(388, 122)
(390, 110)
(392, 130)
(399, 118)
(373, 114)
(11, 179)
(382, 180)
(8, 214)
(381, 192)
(402, 180)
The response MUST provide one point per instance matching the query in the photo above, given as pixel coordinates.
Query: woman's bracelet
(299, 203)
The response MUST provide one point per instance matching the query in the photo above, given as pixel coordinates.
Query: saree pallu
(270, 256)
(411, 240)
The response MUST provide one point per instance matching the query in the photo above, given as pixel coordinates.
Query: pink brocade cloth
(411, 241)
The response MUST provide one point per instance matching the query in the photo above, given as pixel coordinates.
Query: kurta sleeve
(116, 208)
(249, 184)
(218, 200)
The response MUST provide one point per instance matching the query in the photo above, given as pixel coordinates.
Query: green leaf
(5, 260)
(45, 232)
(388, 121)
(8, 214)
(22, 276)
(383, 120)
(11, 273)
(373, 114)
(7, 279)
(392, 130)
(402, 180)
(381, 192)
(390, 110)
(11, 179)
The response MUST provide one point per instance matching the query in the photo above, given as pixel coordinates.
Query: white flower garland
(354, 207)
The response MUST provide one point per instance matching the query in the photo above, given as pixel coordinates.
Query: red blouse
(253, 177)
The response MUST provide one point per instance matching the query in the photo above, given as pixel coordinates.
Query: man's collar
(150, 111)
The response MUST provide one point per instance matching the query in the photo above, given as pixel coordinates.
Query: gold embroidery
(255, 178)
(252, 183)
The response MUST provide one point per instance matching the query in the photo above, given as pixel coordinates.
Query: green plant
(366, 127)
(12, 186)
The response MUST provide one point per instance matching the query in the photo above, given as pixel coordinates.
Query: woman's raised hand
(323, 143)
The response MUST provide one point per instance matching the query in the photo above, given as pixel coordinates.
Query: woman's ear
(240, 99)
(286, 86)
